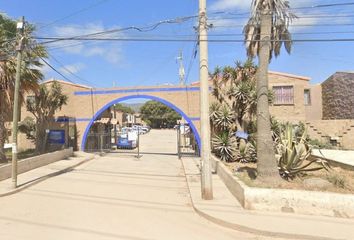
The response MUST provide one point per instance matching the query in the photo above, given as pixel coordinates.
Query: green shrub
(315, 143)
(292, 154)
(224, 146)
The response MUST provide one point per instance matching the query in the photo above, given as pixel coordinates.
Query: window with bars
(283, 95)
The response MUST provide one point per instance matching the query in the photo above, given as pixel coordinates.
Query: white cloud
(94, 51)
(221, 5)
(110, 52)
(230, 5)
(73, 68)
(45, 69)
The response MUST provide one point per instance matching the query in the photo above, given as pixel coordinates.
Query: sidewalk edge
(45, 177)
(242, 228)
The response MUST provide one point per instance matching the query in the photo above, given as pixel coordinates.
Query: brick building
(327, 109)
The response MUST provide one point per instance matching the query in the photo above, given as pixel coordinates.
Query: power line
(192, 40)
(69, 71)
(290, 9)
(327, 5)
(210, 35)
(298, 17)
(74, 13)
(55, 70)
(140, 29)
(291, 25)
(295, 33)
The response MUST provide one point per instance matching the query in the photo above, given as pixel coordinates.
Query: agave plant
(224, 118)
(224, 146)
(292, 154)
(246, 152)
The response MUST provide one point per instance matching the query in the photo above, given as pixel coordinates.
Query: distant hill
(135, 106)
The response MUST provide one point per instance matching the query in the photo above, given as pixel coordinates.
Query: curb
(45, 177)
(247, 229)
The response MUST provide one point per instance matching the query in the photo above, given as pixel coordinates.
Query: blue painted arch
(118, 100)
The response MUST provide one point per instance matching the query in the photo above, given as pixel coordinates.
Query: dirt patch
(342, 181)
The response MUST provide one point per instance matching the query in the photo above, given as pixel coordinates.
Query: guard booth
(186, 142)
(62, 133)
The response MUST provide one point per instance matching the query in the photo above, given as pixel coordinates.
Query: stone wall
(285, 200)
(340, 131)
(338, 96)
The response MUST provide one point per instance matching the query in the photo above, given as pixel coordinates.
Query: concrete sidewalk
(37, 175)
(226, 211)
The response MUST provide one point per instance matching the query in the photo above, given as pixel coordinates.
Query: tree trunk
(267, 168)
(3, 135)
(40, 136)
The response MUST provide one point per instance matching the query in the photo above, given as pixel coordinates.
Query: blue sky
(104, 64)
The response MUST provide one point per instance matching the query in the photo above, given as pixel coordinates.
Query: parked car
(127, 139)
(140, 129)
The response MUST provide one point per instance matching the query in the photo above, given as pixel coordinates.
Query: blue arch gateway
(144, 96)
(86, 104)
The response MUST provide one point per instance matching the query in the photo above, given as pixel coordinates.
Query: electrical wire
(73, 14)
(69, 71)
(209, 40)
(140, 29)
(57, 71)
(290, 9)
(292, 25)
(349, 16)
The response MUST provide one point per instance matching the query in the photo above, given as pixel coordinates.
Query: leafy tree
(28, 127)
(158, 115)
(30, 71)
(265, 33)
(122, 108)
(43, 106)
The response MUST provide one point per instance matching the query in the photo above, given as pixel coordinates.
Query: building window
(283, 95)
(307, 97)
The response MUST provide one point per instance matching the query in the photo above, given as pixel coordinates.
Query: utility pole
(181, 71)
(15, 115)
(207, 189)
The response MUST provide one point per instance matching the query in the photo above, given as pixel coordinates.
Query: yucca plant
(214, 109)
(292, 154)
(224, 146)
(224, 118)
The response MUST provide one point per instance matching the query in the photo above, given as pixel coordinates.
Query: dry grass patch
(339, 180)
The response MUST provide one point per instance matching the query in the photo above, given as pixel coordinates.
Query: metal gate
(186, 142)
(99, 142)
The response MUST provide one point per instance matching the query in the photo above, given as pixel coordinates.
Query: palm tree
(30, 72)
(265, 33)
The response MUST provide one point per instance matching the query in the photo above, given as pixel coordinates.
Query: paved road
(113, 197)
